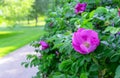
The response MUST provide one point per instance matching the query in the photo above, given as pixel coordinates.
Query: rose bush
(85, 44)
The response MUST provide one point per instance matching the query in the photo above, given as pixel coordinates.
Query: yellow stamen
(87, 44)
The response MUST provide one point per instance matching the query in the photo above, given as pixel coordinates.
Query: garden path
(10, 65)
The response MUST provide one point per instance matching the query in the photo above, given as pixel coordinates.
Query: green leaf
(74, 68)
(100, 10)
(81, 61)
(63, 76)
(93, 67)
(105, 43)
(115, 57)
(91, 14)
(112, 30)
(116, 20)
(59, 76)
(25, 64)
(72, 20)
(87, 25)
(68, 14)
(84, 75)
(84, 14)
(65, 65)
(53, 14)
(57, 45)
(117, 73)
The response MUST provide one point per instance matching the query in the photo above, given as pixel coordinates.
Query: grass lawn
(12, 39)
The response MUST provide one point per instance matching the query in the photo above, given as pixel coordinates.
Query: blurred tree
(40, 7)
(16, 10)
(1, 2)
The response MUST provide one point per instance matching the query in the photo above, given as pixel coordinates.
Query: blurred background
(22, 21)
(24, 12)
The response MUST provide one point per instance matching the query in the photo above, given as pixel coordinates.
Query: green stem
(100, 74)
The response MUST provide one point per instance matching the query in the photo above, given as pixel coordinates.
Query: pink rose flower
(44, 45)
(80, 7)
(85, 41)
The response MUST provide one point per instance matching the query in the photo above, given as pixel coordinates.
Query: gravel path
(10, 65)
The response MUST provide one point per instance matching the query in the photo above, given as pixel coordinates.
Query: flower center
(86, 44)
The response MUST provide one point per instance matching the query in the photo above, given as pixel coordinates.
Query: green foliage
(61, 60)
(1, 2)
(84, 75)
(65, 65)
(14, 12)
(112, 30)
(117, 75)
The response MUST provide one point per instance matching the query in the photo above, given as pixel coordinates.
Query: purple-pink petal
(80, 7)
(44, 45)
(85, 41)
(78, 48)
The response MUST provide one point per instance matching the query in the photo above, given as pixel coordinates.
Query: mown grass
(12, 39)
